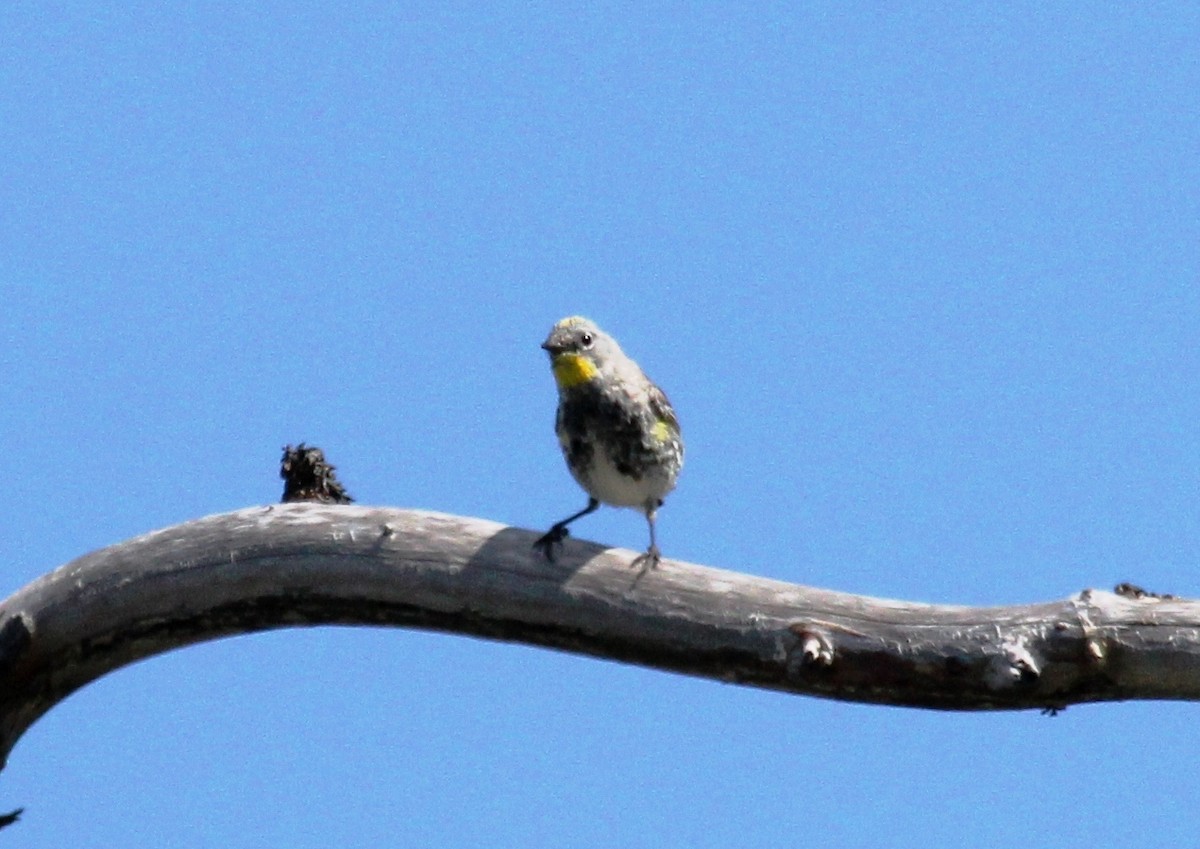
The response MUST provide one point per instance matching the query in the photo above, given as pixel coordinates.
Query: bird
(619, 434)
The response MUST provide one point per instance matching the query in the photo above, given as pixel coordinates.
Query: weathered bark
(313, 564)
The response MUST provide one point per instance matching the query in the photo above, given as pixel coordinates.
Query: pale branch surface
(320, 564)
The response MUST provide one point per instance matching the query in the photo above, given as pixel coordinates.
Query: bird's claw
(647, 560)
(546, 542)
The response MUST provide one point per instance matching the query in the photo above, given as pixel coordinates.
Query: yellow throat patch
(571, 370)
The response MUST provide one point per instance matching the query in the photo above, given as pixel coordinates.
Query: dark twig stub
(307, 477)
(1134, 591)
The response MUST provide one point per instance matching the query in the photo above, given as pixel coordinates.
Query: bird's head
(578, 351)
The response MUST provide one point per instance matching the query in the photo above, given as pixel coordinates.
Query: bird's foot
(647, 560)
(547, 541)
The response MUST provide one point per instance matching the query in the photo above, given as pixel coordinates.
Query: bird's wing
(663, 411)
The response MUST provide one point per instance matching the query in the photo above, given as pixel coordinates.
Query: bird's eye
(586, 339)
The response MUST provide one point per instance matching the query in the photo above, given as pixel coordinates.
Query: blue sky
(921, 283)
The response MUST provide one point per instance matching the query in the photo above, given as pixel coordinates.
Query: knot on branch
(814, 649)
(1094, 641)
(1014, 666)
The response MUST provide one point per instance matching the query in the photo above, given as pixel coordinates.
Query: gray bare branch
(317, 564)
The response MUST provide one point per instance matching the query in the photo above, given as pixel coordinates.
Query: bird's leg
(650, 557)
(558, 532)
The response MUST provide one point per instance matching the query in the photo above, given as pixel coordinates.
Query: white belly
(611, 487)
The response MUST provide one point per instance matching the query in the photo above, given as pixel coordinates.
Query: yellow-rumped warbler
(618, 432)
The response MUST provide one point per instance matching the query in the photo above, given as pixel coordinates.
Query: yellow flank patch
(571, 370)
(662, 431)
